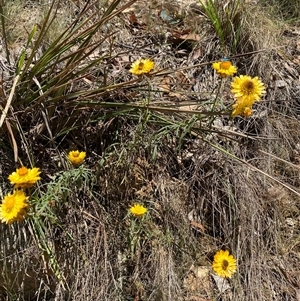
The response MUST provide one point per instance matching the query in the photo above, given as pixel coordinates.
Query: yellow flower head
(248, 88)
(14, 207)
(224, 264)
(242, 107)
(141, 66)
(24, 177)
(138, 210)
(76, 157)
(224, 68)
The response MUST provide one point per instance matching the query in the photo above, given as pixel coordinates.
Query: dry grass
(200, 199)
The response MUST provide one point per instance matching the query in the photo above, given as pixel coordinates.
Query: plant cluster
(78, 80)
(245, 89)
(15, 206)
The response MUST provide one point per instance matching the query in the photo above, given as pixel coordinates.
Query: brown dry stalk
(9, 100)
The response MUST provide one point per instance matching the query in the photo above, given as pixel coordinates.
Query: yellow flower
(224, 264)
(242, 107)
(224, 68)
(141, 66)
(76, 157)
(138, 210)
(14, 207)
(24, 177)
(248, 88)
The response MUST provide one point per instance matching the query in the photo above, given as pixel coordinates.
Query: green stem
(4, 31)
(215, 102)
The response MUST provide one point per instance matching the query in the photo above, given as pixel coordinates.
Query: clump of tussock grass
(21, 262)
(286, 11)
(183, 171)
(232, 207)
(18, 26)
(227, 206)
(243, 28)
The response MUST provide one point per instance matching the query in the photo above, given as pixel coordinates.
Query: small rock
(280, 83)
(222, 283)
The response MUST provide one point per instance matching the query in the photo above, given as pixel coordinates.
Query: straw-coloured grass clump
(147, 157)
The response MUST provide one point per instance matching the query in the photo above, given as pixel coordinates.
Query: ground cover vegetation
(149, 151)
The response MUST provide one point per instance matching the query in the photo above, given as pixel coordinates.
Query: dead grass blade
(9, 100)
(250, 166)
(13, 140)
(280, 159)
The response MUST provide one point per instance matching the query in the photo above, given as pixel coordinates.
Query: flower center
(76, 154)
(225, 65)
(225, 264)
(10, 203)
(22, 171)
(248, 86)
(141, 66)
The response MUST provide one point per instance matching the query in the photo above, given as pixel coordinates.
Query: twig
(9, 100)
(13, 140)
